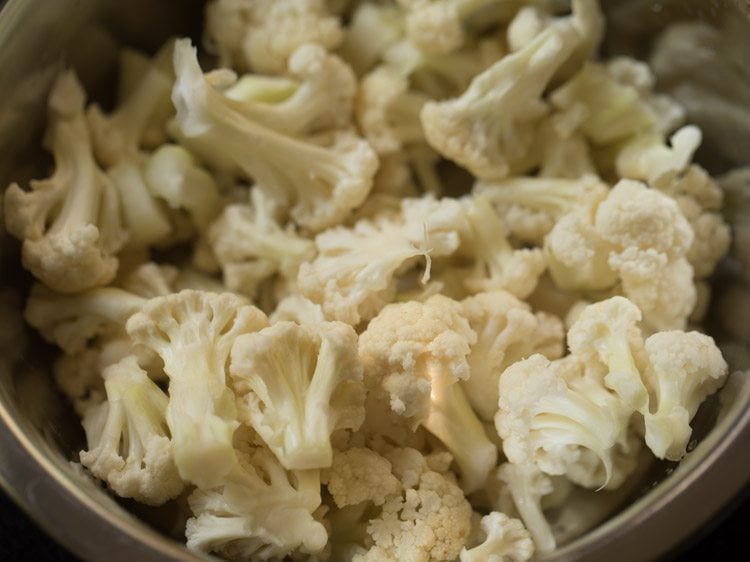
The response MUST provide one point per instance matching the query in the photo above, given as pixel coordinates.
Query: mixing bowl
(39, 434)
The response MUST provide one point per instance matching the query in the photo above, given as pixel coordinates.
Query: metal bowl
(39, 434)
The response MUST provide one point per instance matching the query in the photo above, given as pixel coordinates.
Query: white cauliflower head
(507, 540)
(360, 475)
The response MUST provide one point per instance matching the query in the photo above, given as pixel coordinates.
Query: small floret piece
(527, 487)
(261, 35)
(321, 99)
(353, 276)
(150, 280)
(497, 264)
(172, 174)
(297, 384)
(69, 223)
(507, 332)
(507, 540)
(258, 511)
(70, 321)
(322, 179)
(684, 368)
(360, 475)
(128, 441)
(299, 309)
(388, 111)
(193, 331)
(414, 354)
(548, 421)
(429, 521)
(490, 128)
(246, 238)
(371, 31)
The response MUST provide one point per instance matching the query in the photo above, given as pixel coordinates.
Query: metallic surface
(38, 435)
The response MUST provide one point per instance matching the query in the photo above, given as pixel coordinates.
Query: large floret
(261, 35)
(251, 246)
(69, 223)
(414, 354)
(507, 540)
(429, 521)
(295, 385)
(128, 440)
(507, 332)
(193, 332)
(549, 421)
(258, 511)
(490, 128)
(353, 276)
(321, 178)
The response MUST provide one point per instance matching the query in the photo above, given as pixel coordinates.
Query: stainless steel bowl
(39, 435)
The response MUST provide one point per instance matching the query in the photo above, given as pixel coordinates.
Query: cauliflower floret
(415, 354)
(684, 368)
(321, 178)
(321, 96)
(70, 321)
(388, 111)
(299, 309)
(430, 521)
(128, 440)
(700, 200)
(150, 280)
(260, 35)
(549, 421)
(172, 174)
(247, 239)
(296, 384)
(258, 511)
(193, 332)
(372, 30)
(360, 475)
(69, 223)
(507, 540)
(527, 487)
(498, 265)
(507, 332)
(490, 128)
(353, 276)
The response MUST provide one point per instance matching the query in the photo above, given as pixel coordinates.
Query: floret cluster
(385, 282)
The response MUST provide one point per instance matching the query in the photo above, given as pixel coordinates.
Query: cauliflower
(128, 440)
(507, 332)
(637, 236)
(415, 354)
(257, 511)
(506, 540)
(296, 308)
(388, 111)
(193, 332)
(498, 265)
(322, 178)
(372, 30)
(353, 276)
(70, 321)
(261, 35)
(359, 475)
(251, 246)
(172, 174)
(296, 384)
(683, 369)
(429, 521)
(69, 223)
(490, 128)
(549, 421)
(321, 95)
